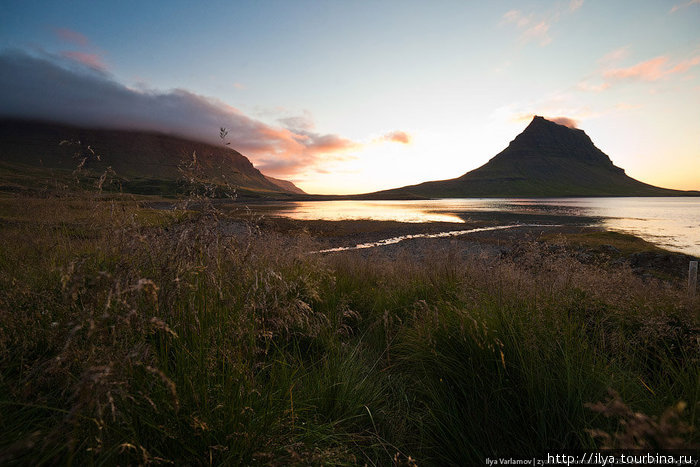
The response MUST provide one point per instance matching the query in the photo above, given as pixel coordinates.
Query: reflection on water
(673, 223)
(450, 233)
(401, 211)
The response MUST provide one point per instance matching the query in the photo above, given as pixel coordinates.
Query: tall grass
(131, 336)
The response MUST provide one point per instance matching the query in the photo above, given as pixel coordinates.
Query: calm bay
(669, 222)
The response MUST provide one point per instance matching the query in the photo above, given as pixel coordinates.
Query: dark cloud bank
(55, 89)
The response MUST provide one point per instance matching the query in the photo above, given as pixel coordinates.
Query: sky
(358, 96)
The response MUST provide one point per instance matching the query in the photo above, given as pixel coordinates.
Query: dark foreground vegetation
(135, 336)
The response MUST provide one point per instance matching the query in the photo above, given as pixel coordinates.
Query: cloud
(562, 107)
(685, 65)
(68, 35)
(651, 70)
(526, 117)
(324, 143)
(614, 56)
(586, 86)
(397, 137)
(566, 121)
(516, 17)
(575, 5)
(530, 29)
(654, 69)
(623, 106)
(536, 27)
(93, 61)
(683, 5)
(540, 32)
(56, 89)
(304, 122)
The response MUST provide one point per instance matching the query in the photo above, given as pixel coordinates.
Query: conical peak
(542, 132)
(545, 138)
(562, 122)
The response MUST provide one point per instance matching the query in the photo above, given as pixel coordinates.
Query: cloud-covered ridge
(52, 88)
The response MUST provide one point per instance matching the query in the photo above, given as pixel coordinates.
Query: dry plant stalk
(641, 431)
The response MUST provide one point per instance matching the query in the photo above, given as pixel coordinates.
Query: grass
(135, 336)
(625, 244)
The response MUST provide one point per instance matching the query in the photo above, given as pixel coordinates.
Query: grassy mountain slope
(286, 185)
(148, 162)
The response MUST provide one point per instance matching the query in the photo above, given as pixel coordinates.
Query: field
(130, 335)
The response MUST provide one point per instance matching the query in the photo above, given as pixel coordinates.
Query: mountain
(545, 160)
(286, 185)
(146, 162)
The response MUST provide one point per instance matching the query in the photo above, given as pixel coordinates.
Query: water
(672, 223)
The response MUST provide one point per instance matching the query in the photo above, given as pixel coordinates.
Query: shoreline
(667, 224)
(586, 244)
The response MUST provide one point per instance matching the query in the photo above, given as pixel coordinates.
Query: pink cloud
(315, 144)
(398, 137)
(575, 5)
(651, 70)
(68, 35)
(93, 61)
(90, 60)
(614, 56)
(536, 27)
(622, 106)
(540, 32)
(586, 86)
(525, 117)
(520, 117)
(685, 65)
(683, 5)
(552, 108)
(516, 17)
(279, 151)
(567, 122)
